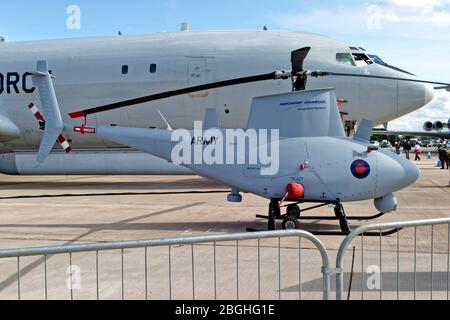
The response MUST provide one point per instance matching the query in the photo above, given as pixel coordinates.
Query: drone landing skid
(368, 218)
(293, 215)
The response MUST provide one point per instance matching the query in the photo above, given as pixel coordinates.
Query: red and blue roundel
(360, 169)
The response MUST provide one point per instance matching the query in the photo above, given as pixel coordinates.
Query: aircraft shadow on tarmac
(188, 183)
(204, 226)
(112, 194)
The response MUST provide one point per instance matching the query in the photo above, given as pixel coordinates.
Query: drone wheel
(293, 211)
(290, 223)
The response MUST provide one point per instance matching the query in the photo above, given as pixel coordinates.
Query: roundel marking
(360, 169)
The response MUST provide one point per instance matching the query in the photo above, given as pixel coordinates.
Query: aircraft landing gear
(290, 223)
(274, 214)
(343, 222)
(293, 210)
(290, 220)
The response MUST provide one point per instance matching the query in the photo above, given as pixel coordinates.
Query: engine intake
(438, 125)
(428, 126)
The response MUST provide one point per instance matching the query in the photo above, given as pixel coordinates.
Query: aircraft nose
(396, 173)
(411, 173)
(429, 93)
(413, 96)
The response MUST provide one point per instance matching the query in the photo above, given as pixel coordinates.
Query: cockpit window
(362, 59)
(377, 59)
(345, 58)
(380, 61)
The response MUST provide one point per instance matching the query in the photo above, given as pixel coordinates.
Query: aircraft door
(197, 75)
(195, 103)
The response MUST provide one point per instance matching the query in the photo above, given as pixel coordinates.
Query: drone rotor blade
(297, 59)
(169, 94)
(443, 88)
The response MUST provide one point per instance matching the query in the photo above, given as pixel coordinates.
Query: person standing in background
(447, 157)
(442, 156)
(407, 148)
(417, 152)
(398, 148)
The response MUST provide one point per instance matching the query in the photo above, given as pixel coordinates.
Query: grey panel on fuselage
(301, 114)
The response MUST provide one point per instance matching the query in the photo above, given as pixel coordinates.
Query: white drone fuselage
(311, 150)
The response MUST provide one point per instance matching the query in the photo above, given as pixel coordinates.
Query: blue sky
(101, 17)
(412, 34)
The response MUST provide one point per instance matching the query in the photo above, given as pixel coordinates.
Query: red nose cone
(295, 191)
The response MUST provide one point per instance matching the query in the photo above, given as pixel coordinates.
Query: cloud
(339, 20)
(421, 12)
(425, 19)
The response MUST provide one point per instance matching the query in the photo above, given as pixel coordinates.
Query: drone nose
(396, 173)
(411, 173)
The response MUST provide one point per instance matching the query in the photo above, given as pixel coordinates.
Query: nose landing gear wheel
(290, 223)
(293, 211)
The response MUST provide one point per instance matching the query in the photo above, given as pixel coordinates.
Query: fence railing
(242, 266)
(189, 250)
(433, 253)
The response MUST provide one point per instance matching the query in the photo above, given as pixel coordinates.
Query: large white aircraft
(99, 71)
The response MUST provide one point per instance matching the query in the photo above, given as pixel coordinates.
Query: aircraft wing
(430, 134)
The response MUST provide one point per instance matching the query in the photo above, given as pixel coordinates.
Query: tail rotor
(41, 120)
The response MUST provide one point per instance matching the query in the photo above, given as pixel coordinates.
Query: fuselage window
(345, 58)
(125, 69)
(362, 59)
(153, 68)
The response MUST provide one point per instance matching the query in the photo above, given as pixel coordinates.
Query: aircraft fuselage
(96, 71)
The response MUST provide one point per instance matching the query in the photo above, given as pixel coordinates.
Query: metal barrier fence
(192, 254)
(427, 263)
(412, 264)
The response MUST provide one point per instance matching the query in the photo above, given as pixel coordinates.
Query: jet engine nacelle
(438, 125)
(386, 204)
(448, 124)
(428, 126)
